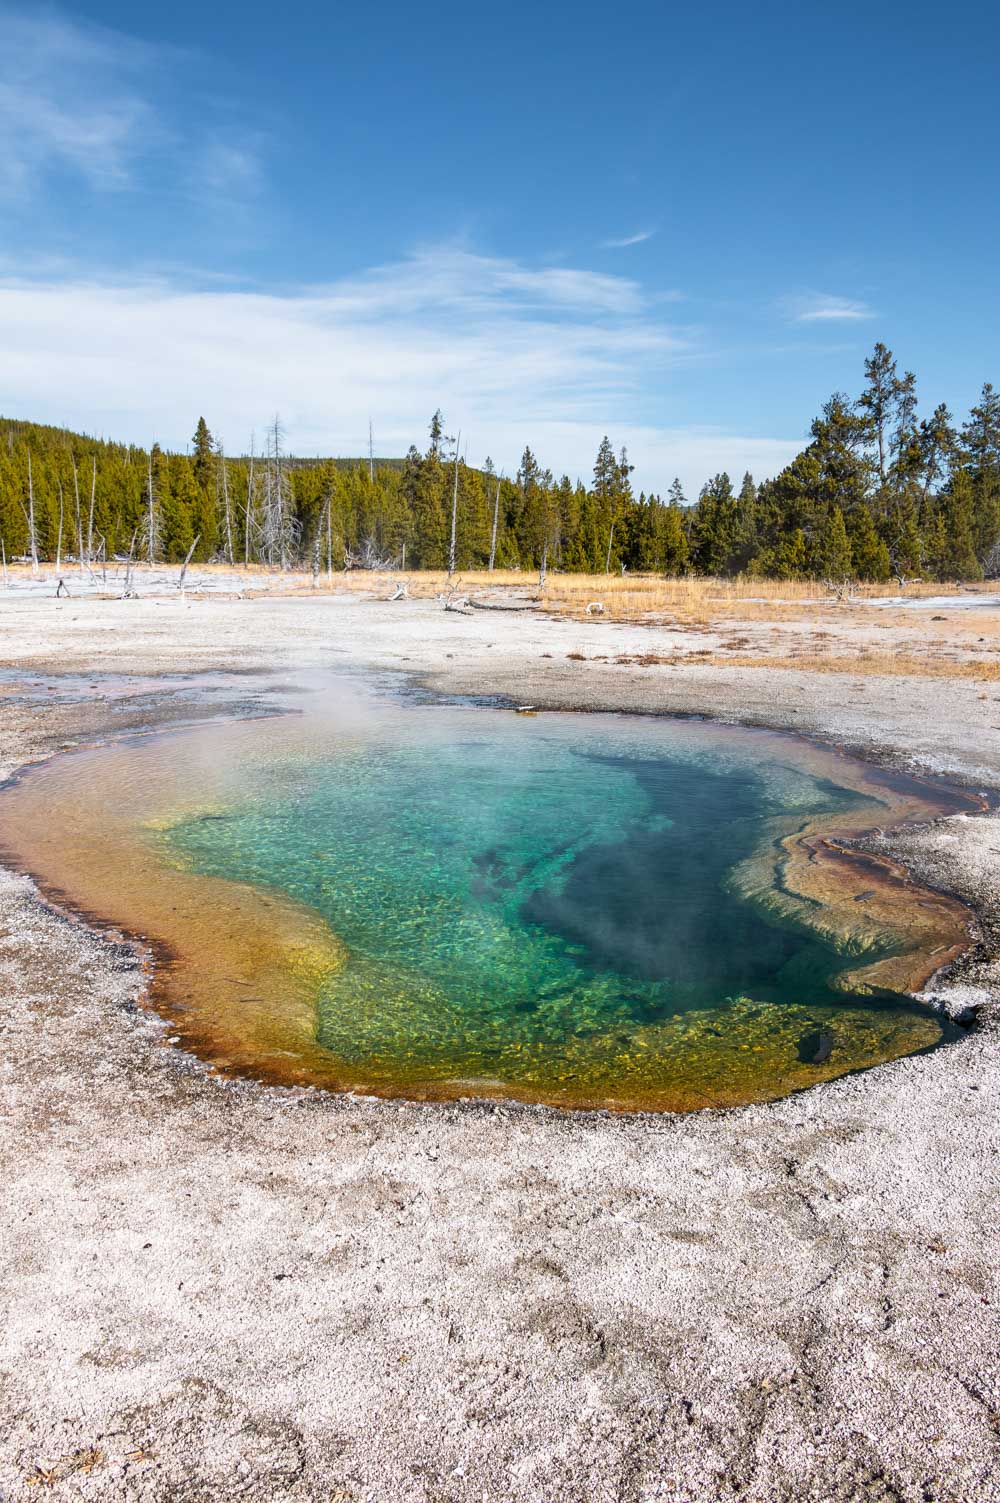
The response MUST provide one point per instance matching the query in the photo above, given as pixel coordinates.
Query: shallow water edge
(226, 950)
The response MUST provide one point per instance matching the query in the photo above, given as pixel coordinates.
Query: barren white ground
(214, 1290)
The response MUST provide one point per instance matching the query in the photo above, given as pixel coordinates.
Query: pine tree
(904, 439)
(981, 456)
(714, 527)
(605, 472)
(792, 561)
(981, 434)
(936, 441)
(832, 551)
(869, 553)
(605, 490)
(424, 486)
(956, 559)
(180, 508)
(744, 543)
(205, 522)
(673, 543)
(524, 514)
(641, 533)
(879, 403)
(203, 455)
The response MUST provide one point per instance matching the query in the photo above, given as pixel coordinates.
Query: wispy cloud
(450, 277)
(69, 98)
(101, 106)
(627, 240)
(513, 353)
(821, 308)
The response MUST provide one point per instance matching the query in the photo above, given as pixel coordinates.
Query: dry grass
(700, 602)
(863, 664)
(638, 598)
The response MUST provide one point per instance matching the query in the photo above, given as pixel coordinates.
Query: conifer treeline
(878, 491)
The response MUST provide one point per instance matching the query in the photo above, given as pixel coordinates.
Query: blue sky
(685, 226)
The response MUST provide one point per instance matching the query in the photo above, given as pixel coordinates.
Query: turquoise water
(555, 904)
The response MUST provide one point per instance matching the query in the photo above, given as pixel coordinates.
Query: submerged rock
(816, 1048)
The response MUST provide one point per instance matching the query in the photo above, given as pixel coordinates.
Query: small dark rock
(816, 1048)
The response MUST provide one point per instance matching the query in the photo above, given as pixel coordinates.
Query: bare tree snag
(493, 535)
(79, 519)
(129, 593)
(90, 519)
(151, 530)
(227, 512)
(454, 511)
(248, 514)
(184, 568)
(279, 530)
(59, 534)
(32, 535)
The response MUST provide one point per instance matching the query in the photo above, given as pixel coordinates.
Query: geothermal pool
(441, 901)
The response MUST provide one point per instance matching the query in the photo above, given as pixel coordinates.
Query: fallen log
(495, 605)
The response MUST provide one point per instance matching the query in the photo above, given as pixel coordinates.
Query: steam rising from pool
(440, 901)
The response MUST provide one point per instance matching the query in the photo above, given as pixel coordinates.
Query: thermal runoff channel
(439, 901)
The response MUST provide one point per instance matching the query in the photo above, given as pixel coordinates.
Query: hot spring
(439, 901)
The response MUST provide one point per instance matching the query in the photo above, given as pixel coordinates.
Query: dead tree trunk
(454, 513)
(59, 536)
(279, 532)
(493, 535)
(151, 539)
(79, 518)
(248, 515)
(90, 520)
(184, 566)
(128, 593)
(225, 507)
(611, 538)
(32, 535)
(324, 534)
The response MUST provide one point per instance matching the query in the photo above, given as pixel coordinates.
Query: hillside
(877, 491)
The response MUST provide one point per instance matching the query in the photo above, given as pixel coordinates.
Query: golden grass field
(649, 596)
(865, 663)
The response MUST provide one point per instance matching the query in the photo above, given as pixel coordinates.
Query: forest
(879, 491)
